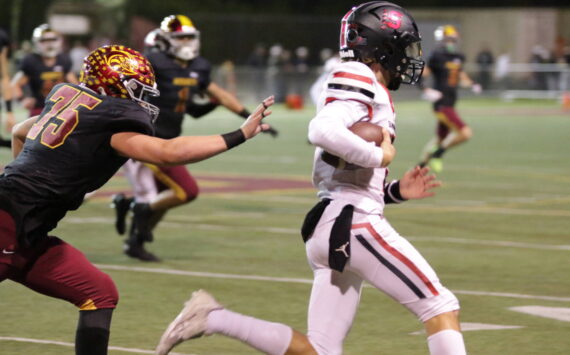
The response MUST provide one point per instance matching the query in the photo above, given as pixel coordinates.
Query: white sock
(448, 140)
(446, 342)
(268, 337)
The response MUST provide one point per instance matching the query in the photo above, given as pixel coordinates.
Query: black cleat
(121, 204)
(137, 251)
(141, 221)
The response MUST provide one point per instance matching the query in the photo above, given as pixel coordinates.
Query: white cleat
(190, 323)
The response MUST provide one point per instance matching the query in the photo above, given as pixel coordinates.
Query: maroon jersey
(67, 153)
(446, 67)
(43, 78)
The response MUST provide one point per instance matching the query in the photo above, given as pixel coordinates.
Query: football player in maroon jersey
(41, 70)
(446, 66)
(183, 78)
(83, 136)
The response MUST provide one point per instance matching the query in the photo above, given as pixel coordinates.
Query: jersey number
(183, 95)
(453, 70)
(63, 117)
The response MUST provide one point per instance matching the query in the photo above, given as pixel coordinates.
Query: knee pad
(427, 308)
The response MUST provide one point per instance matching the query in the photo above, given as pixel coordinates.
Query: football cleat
(121, 204)
(436, 165)
(141, 221)
(190, 323)
(137, 251)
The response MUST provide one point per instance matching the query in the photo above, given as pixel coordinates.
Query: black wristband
(234, 138)
(244, 113)
(8, 104)
(392, 193)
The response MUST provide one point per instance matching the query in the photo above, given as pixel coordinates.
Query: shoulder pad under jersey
(352, 81)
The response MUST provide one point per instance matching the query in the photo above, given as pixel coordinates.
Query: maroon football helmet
(122, 72)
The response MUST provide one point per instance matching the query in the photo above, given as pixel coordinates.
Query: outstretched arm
(467, 82)
(188, 149)
(228, 100)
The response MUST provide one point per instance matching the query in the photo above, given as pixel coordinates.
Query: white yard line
(71, 345)
(301, 281)
(496, 243)
(293, 231)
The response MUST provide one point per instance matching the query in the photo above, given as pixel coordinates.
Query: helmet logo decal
(392, 19)
(123, 63)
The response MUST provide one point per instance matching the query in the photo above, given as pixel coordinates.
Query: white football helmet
(181, 39)
(47, 42)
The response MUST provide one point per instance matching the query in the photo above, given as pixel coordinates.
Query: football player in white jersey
(348, 239)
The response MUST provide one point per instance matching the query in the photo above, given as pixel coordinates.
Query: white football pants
(142, 181)
(384, 259)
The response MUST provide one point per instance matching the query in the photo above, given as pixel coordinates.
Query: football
(365, 130)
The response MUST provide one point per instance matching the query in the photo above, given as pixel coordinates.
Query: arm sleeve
(329, 130)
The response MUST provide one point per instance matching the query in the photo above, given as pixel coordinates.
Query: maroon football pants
(448, 120)
(54, 268)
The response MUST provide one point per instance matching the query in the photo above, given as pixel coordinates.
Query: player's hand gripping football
(253, 125)
(387, 148)
(417, 183)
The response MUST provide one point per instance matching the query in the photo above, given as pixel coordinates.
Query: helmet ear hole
(352, 35)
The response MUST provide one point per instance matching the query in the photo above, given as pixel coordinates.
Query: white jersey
(352, 94)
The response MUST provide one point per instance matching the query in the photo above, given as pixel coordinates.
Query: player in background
(85, 134)
(348, 239)
(183, 78)
(43, 69)
(5, 87)
(446, 66)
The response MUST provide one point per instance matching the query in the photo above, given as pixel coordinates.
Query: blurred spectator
(77, 54)
(258, 58)
(325, 54)
(539, 77)
(298, 84)
(257, 61)
(502, 71)
(279, 66)
(226, 76)
(301, 60)
(485, 61)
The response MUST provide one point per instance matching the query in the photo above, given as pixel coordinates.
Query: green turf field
(497, 233)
